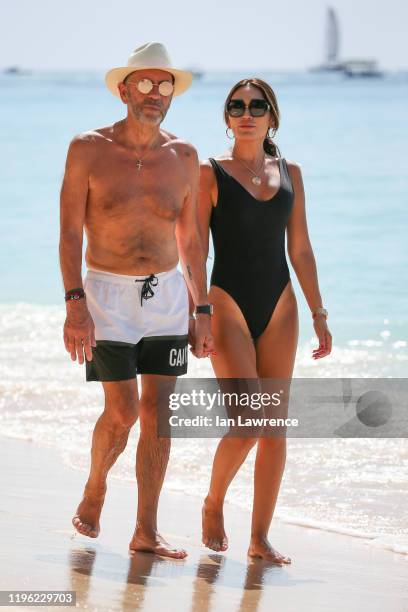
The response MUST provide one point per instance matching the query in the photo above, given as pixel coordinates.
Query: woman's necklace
(256, 178)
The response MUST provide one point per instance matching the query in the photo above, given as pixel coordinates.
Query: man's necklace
(256, 178)
(139, 161)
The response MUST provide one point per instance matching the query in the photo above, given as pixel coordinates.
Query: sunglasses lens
(236, 108)
(145, 86)
(166, 88)
(258, 108)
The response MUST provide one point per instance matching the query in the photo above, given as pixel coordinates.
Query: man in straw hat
(133, 187)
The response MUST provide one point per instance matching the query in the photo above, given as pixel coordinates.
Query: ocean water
(350, 138)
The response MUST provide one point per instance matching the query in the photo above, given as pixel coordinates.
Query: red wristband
(75, 294)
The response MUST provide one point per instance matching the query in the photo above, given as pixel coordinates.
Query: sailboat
(332, 44)
(361, 68)
(350, 68)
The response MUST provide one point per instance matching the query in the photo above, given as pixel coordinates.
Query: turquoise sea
(350, 138)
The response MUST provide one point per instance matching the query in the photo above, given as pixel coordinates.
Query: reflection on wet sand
(145, 573)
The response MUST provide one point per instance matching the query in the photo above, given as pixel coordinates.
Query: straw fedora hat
(150, 55)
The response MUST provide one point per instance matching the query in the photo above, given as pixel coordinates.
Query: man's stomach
(122, 259)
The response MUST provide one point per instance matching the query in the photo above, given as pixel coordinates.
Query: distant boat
(332, 45)
(16, 70)
(350, 68)
(197, 72)
(362, 68)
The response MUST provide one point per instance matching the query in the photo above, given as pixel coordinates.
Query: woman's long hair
(269, 146)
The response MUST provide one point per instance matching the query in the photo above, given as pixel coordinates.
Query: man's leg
(151, 463)
(109, 440)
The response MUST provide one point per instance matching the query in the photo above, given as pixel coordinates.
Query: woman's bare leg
(235, 358)
(276, 350)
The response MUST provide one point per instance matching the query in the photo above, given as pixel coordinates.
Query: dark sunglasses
(257, 107)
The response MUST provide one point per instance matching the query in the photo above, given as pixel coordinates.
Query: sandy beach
(40, 551)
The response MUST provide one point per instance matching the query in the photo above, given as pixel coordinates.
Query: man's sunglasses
(145, 86)
(257, 107)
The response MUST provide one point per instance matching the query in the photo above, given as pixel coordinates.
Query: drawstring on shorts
(147, 291)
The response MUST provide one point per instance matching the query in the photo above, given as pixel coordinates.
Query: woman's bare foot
(151, 541)
(214, 536)
(86, 519)
(260, 548)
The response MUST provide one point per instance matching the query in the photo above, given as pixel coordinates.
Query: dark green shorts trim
(162, 355)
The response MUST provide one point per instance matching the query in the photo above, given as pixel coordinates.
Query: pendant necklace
(139, 162)
(256, 178)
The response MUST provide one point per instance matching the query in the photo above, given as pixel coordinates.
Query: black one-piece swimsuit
(249, 245)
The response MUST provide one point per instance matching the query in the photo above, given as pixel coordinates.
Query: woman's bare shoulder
(220, 157)
(207, 176)
(294, 166)
(207, 170)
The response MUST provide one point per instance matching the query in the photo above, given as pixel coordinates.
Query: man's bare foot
(151, 541)
(214, 536)
(86, 519)
(260, 548)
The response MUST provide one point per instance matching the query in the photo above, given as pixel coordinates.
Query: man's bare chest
(119, 187)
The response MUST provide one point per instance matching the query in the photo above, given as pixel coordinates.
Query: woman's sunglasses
(257, 107)
(145, 86)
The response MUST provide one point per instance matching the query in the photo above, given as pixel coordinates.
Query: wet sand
(40, 550)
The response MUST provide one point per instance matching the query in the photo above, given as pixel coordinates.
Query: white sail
(332, 37)
(351, 68)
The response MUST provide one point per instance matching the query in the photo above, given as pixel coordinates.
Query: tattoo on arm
(190, 276)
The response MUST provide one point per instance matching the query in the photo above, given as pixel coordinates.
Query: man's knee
(121, 406)
(123, 417)
(154, 405)
(148, 413)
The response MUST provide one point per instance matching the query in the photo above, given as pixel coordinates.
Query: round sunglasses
(257, 107)
(145, 86)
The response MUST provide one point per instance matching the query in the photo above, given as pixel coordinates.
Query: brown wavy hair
(269, 146)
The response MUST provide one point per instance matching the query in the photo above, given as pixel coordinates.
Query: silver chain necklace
(256, 178)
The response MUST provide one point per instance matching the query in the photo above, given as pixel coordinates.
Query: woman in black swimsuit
(249, 198)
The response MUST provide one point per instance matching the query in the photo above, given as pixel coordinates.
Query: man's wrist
(204, 309)
(73, 295)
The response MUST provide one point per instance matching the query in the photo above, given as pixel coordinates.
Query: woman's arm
(303, 261)
(299, 247)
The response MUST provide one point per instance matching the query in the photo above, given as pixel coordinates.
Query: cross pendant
(139, 164)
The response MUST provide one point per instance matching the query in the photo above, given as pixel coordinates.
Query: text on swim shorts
(178, 357)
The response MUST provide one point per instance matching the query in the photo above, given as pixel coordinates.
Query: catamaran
(350, 68)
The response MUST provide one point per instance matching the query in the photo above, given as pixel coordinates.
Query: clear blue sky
(216, 34)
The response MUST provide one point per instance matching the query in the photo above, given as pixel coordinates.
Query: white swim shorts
(141, 324)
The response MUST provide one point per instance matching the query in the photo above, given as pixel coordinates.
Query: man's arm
(191, 251)
(78, 328)
(74, 193)
(188, 236)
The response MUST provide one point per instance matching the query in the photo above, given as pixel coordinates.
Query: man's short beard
(138, 113)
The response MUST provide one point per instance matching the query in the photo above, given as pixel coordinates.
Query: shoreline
(41, 550)
(377, 541)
